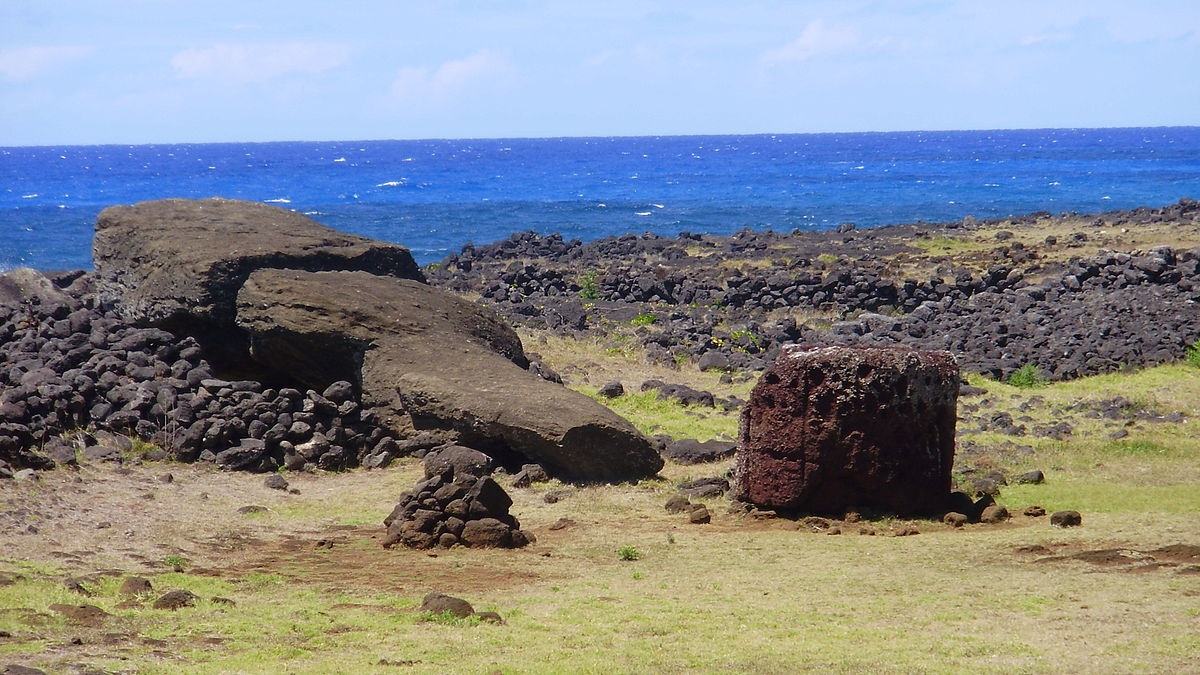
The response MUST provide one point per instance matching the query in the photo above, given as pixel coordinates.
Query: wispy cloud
(241, 64)
(816, 39)
(451, 77)
(27, 63)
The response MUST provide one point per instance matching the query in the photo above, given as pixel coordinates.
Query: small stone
(561, 524)
(135, 586)
(699, 515)
(1035, 477)
(276, 482)
(955, 519)
(816, 523)
(993, 514)
(440, 603)
(490, 617)
(677, 504)
(555, 496)
(252, 509)
(906, 532)
(175, 599)
(536, 473)
(1034, 511)
(612, 390)
(1066, 519)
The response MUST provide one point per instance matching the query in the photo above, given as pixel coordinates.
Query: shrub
(1192, 357)
(589, 285)
(643, 320)
(1027, 376)
(629, 553)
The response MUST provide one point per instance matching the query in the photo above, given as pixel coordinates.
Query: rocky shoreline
(731, 302)
(78, 378)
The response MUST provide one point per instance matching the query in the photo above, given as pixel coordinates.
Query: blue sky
(138, 71)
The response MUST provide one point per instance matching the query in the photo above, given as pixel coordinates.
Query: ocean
(434, 196)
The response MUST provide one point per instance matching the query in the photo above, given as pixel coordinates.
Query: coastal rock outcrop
(427, 361)
(835, 428)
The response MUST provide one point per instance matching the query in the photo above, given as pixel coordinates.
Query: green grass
(1088, 495)
(737, 595)
(948, 245)
(1027, 377)
(654, 415)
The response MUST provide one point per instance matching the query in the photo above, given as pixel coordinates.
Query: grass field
(304, 586)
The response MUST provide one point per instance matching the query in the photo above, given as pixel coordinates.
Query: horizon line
(598, 136)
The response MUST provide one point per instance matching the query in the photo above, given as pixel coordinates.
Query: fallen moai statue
(265, 288)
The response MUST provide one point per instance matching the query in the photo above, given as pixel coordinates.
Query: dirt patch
(1181, 558)
(352, 557)
(132, 521)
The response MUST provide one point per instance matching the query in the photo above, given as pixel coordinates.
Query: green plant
(1139, 447)
(643, 320)
(629, 553)
(745, 340)
(589, 285)
(1027, 377)
(1192, 356)
(175, 562)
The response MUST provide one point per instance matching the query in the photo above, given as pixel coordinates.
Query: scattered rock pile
(67, 366)
(457, 503)
(1106, 312)
(723, 302)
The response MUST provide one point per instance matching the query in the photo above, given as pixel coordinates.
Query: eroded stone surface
(834, 428)
(428, 361)
(182, 261)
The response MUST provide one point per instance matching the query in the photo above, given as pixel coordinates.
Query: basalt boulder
(427, 361)
(838, 428)
(179, 263)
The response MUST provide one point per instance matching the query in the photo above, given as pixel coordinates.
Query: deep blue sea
(436, 195)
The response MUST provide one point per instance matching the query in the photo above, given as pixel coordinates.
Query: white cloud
(817, 39)
(26, 63)
(258, 63)
(451, 77)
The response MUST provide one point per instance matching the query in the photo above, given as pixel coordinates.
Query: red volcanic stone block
(833, 428)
